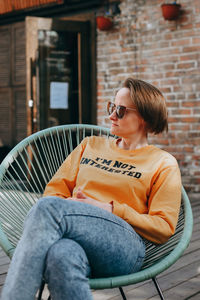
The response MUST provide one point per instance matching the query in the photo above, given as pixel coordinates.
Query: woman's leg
(111, 245)
(67, 271)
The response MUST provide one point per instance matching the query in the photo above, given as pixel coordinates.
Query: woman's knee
(39, 210)
(66, 256)
(43, 204)
(65, 251)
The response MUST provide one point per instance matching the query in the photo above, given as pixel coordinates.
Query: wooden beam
(7, 6)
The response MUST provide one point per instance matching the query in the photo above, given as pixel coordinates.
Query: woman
(107, 198)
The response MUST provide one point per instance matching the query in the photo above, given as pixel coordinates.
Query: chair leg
(158, 288)
(41, 290)
(122, 293)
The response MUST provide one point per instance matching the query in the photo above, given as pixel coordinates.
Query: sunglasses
(119, 109)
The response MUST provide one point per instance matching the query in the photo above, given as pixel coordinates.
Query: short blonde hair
(150, 103)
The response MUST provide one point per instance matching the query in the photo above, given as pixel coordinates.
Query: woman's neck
(132, 144)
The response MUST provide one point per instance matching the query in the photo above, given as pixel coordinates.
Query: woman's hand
(81, 197)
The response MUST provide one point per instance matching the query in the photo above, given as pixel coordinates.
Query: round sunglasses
(119, 109)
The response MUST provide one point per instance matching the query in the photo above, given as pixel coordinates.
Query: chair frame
(158, 257)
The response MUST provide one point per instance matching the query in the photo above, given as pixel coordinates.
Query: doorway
(59, 76)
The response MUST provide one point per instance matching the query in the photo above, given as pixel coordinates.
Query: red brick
(196, 40)
(196, 127)
(190, 119)
(181, 42)
(188, 56)
(188, 149)
(187, 65)
(191, 49)
(190, 103)
(187, 26)
(178, 127)
(181, 111)
(170, 81)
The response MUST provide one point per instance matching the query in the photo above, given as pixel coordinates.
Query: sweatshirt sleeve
(63, 182)
(163, 208)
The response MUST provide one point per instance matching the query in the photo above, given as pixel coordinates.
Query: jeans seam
(99, 217)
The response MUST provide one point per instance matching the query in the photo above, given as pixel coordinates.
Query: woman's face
(131, 124)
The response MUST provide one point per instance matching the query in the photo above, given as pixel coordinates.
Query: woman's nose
(113, 116)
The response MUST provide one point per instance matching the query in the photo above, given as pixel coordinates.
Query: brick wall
(167, 54)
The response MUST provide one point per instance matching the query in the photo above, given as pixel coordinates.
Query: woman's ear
(144, 126)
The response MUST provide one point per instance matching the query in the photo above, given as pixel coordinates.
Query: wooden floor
(179, 282)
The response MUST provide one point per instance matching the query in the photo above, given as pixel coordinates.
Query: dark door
(60, 76)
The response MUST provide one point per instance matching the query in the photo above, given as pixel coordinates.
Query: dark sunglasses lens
(110, 108)
(120, 111)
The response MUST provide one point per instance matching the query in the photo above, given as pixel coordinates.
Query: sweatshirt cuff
(118, 209)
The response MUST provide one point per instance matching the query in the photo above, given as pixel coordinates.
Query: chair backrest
(29, 166)
(27, 169)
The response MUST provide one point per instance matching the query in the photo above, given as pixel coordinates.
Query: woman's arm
(64, 180)
(163, 208)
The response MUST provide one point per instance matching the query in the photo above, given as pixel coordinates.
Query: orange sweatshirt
(144, 185)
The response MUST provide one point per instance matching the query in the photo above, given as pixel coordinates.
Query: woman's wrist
(109, 207)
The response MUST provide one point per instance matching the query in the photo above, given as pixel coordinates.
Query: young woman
(107, 198)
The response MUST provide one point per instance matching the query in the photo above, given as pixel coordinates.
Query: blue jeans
(66, 242)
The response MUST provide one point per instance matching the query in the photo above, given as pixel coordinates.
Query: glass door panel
(58, 77)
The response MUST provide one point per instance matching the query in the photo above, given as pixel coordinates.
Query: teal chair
(24, 174)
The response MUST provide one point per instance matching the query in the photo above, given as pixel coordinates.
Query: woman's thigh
(111, 244)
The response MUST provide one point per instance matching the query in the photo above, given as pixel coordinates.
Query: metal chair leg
(158, 288)
(41, 290)
(122, 293)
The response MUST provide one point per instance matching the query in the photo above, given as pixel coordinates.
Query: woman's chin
(113, 130)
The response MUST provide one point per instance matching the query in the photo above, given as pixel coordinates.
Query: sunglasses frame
(117, 109)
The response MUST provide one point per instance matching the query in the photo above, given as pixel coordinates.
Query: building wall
(167, 54)
(12, 84)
